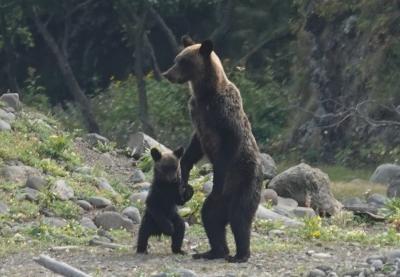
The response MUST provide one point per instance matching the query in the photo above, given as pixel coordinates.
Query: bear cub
(166, 192)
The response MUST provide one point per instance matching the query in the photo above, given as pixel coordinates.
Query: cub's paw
(237, 259)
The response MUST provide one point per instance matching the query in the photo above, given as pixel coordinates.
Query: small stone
(93, 139)
(316, 273)
(393, 255)
(88, 223)
(6, 116)
(35, 182)
(268, 165)
(133, 214)
(139, 197)
(322, 255)
(17, 173)
(289, 202)
(264, 213)
(143, 186)
(332, 274)
(84, 205)
(99, 202)
(110, 208)
(62, 190)
(303, 212)
(85, 170)
(376, 257)
(138, 176)
(377, 265)
(112, 220)
(103, 184)
(185, 273)
(207, 187)
(11, 100)
(3, 208)
(140, 142)
(269, 195)
(55, 221)
(28, 194)
(276, 233)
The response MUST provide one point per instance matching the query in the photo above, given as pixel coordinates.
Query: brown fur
(223, 133)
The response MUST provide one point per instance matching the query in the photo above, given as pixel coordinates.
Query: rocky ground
(79, 200)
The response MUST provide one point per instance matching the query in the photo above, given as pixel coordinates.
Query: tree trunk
(225, 14)
(68, 76)
(141, 84)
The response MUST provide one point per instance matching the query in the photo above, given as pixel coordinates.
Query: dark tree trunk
(141, 84)
(68, 75)
(225, 13)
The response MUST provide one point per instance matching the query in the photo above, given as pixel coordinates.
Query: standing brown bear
(223, 133)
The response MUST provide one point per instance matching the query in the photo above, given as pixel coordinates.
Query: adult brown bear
(223, 134)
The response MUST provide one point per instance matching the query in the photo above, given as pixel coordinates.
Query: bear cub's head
(167, 165)
(192, 62)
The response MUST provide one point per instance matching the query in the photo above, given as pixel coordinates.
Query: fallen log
(59, 267)
(111, 245)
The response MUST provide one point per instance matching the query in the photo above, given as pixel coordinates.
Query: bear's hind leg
(145, 231)
(241, 213)
(215, 218)
(177, 236)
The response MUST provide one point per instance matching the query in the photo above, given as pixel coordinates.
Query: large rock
(268, 166)
(7, 116)
(112, 220)
(87, 223)
(84, 205)
(269, 195)
(133, 214)
(17, 173)
(11, 100)
(55, 221)
(393, 190)
(378, 200)
(103, 184)
(139, 142)
(310, 187)
(35, 182)
(4, 126)
(264, 213)
(93, 139)
(99, 202)
(385, 174)
(62, 190)
(28, 194)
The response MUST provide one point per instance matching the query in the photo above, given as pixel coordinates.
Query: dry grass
(356, 188)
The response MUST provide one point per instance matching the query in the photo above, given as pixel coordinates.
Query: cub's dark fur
(161, 214)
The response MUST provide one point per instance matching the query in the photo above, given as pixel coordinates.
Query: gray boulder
(143, 186)
(385, 174)
(287, 202)
(112, 220)
(264, 213)
(93, 139)
(62, 190)
(378, 200)
(17, 173)
(268, 164)
(99, 202)
(138, 176)
(139, 197)
(35, 182)
(103, 184)
(352, 201)
(11, 100)
(4, 126)
(393, 190)
(87, 223)
(3, 208)
(7, 116)
(310, 187)
(133, 214)
(55, 221)
(269, 195)
(303, 212)
(28, 194)
(84, 205)
(139, 142)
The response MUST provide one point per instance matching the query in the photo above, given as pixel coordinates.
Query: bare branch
(59, 267)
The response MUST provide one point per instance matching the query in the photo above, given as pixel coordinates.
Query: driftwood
(59, 267)
(365, 210)
(107, 244)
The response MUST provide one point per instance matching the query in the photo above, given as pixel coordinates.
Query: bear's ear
(155, 154)
(187, 40)
(206, 48)
(179, 152)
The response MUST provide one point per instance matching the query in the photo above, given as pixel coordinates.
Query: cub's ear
(155, 154)
(186, 41)
(206, 48)
(179, 152)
